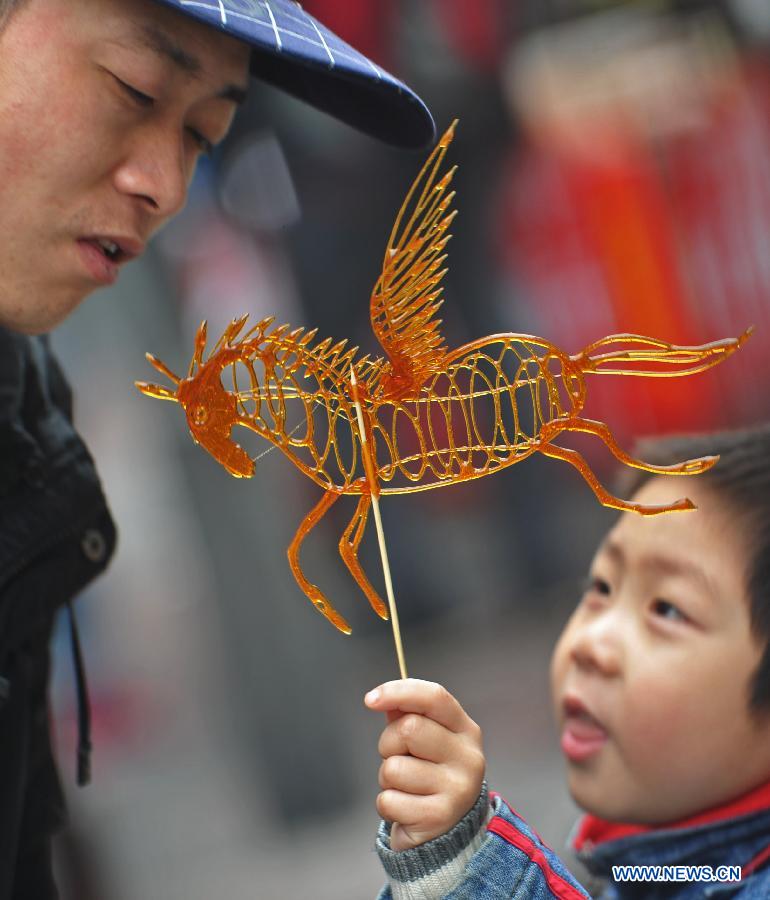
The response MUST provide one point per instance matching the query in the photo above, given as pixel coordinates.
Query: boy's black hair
(741, 479)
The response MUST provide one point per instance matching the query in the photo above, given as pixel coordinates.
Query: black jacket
(56, 534)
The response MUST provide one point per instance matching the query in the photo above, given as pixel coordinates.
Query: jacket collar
(742, 824)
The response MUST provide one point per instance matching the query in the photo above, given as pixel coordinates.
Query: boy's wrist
(435, 865)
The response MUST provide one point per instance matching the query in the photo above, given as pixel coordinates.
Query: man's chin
(27, 318)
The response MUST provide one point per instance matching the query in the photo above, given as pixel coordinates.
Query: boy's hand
(432, 760)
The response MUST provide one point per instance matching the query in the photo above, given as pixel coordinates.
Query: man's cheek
(16, 149)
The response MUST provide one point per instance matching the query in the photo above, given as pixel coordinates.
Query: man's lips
(103, 254)
(582, 735)
(118, 248)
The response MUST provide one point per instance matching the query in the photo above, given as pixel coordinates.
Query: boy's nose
(597, 646)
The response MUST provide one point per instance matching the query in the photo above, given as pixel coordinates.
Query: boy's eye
(596, 585)
(595, 593)
(665, 610)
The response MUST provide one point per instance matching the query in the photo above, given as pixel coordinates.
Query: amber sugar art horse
(433, 416)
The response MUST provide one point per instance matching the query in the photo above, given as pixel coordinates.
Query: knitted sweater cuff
(430, 870)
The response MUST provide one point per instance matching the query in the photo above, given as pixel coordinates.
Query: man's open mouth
(110, 249)
(103, 255)
(116, 250)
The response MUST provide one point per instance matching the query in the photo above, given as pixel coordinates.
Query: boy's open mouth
(582, 735)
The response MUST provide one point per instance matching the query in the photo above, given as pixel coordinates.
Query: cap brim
(296, 53)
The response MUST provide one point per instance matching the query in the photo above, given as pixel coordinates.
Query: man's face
(651, 675)
(105, 108)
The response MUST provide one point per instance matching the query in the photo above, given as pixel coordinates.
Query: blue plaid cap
(296, 53)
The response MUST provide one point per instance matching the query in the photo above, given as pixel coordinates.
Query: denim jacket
(504, 859)
(735, 834)
(492, 854)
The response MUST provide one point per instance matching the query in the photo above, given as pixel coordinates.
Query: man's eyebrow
(164, 45)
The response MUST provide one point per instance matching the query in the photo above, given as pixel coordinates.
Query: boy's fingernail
(372, 696)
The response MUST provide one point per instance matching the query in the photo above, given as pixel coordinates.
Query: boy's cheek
(558, 671)
(562, 662)
(560, 657)
(656, 721)
(663, 729)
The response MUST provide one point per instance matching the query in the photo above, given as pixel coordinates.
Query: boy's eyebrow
(666, 565)
(164, 45)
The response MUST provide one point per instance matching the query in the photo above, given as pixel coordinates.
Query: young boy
(661, 689)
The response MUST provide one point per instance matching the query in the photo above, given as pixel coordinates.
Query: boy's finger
(413, 735)
(410, 775)
(407, 809)
(424, 697)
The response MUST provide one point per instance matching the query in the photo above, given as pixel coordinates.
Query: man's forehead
(190, 46)
(155, 38)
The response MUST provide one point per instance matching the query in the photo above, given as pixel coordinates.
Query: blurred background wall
(614, 175)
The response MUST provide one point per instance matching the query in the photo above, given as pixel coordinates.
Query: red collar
(593, 830)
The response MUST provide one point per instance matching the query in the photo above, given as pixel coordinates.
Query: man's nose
(156, 173)
(597, 645)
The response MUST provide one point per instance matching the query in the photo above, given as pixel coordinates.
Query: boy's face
(651, 674)
(105, 106)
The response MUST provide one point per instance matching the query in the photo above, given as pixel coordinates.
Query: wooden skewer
(374, 487)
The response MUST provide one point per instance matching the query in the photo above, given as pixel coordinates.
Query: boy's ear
(758, 699)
